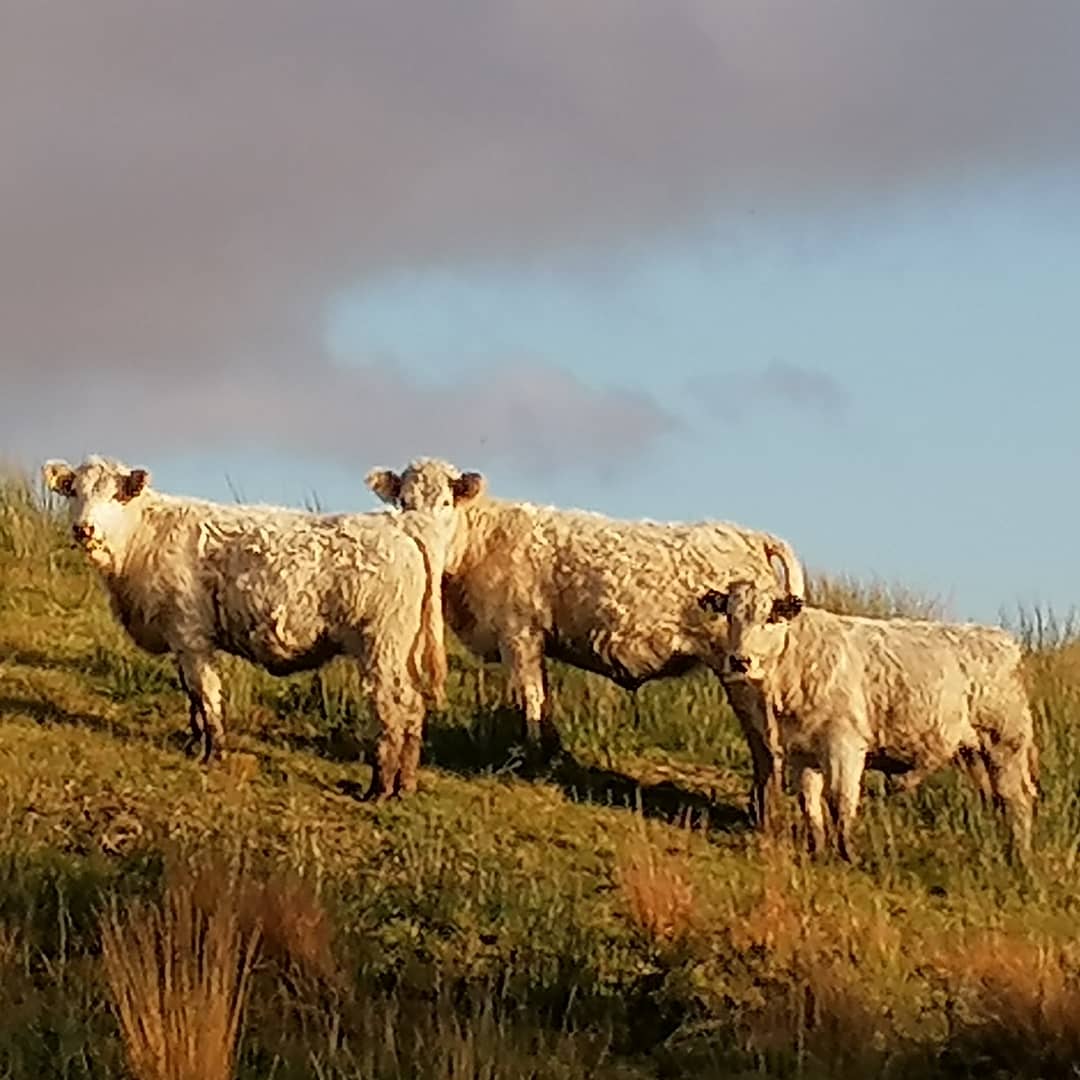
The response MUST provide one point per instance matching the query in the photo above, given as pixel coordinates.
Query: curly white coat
(284, 589)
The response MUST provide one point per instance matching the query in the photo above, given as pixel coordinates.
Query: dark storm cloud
(184, 184)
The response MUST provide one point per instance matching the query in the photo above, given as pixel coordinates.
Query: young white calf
(285, 589)
(844, 692)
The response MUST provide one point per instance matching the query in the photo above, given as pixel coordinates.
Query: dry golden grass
(179, 975)
(296, 930)
(1024, 993)
(848, 595)
(657, 891)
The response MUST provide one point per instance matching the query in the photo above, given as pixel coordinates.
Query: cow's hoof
(551, 749)
(214, 755)
(376, 796)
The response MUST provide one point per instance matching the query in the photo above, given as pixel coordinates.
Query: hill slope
(611, 918)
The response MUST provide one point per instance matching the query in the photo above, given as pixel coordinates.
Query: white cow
(285, 589)
(844, 692)
(619, 598)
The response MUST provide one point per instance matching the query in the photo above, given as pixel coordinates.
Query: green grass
(612, 918)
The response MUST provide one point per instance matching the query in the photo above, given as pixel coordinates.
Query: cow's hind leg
(204, 694)
(973, 764)
(407, 777)
(1015, 786)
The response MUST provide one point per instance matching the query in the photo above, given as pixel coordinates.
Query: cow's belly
(284, 636)
(282, 657)
(625, 668)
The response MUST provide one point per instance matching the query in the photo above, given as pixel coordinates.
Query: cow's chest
(146, 631)
(476, 629)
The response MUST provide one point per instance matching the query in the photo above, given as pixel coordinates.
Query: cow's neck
(140, 545)
(805, 664)
(470, 536)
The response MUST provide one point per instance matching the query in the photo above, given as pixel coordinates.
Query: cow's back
(292, 593)
(896, 683)
(612, 596)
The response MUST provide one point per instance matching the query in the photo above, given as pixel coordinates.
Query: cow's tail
(1033, 771)
(794, 575)
(429, 648)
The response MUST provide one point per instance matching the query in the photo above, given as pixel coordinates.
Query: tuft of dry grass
(296, 930)
(179, 975)
(283, 908)
(1022, 995)
(847, 595)
(657, 892)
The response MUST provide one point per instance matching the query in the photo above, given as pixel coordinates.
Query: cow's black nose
(741, 664)
(82, 533)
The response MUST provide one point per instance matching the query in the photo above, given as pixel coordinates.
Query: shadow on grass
(490, 743)
(45, 711)
(492, 746)
(665, 800)
(90, 663)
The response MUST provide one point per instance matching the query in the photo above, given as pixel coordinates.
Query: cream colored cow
(619, 598)
(843, 692)
(284, 589)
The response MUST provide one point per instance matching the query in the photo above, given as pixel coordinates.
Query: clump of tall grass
(1018, 1001)
(179, 973)
(28, 528)
(848, 595)
(658, 893)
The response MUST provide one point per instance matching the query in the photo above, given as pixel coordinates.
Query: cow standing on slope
(285, 589)
(846, 692)
(617, 598)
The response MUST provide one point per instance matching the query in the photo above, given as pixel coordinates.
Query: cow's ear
(385, 483)
(467, 487)
(785, 607)
(714, 601)
(132, 484)
(59, 476)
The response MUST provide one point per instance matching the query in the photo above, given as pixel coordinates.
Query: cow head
(426, 484)
(429, 484)
(104, 503)
(757, 621)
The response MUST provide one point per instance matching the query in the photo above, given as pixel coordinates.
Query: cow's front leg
(196, 721)
(845, 761)
(399, 706)
(523, 654)
(759, 728)
(811, 791)
(203, 687)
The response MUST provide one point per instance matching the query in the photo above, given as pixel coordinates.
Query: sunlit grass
(612, 918)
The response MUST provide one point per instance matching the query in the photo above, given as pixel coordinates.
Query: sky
(807, 267)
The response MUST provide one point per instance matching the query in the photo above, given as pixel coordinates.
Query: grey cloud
(743, 395)
(532, 416)
(184, 184)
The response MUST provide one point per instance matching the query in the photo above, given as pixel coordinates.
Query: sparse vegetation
(612, 918)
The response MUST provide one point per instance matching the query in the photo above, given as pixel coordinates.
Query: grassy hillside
(614, 918)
